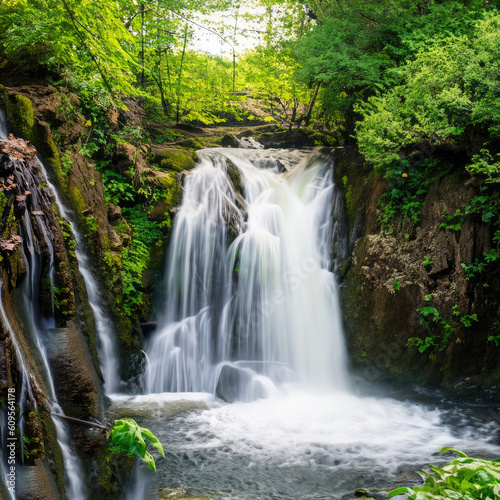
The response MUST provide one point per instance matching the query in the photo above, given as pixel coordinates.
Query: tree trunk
(179, 79)
(142, 44)
(311, 106)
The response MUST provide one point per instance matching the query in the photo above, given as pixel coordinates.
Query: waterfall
(106, 335)
(107, 346)
(36, 234)
(26, 387)
(244, 320)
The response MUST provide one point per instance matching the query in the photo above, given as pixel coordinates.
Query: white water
(245, 320)
(107, 349)
(39, 326)
(299, 445)
(26, 386)
(3, 125)
(259, 323)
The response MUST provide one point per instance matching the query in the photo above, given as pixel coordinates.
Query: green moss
(234, 175)
(114, 469)
(53, 451)
(177, 160)
(34, 446)
(191, 144)
(48, 148)
(78, 203)
(20, 114)
(348, 197)
(46, 296)
(126, 331)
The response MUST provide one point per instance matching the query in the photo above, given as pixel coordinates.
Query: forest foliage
(414, 83)
(349, 61)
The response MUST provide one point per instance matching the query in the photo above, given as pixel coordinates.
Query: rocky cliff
(413, 308)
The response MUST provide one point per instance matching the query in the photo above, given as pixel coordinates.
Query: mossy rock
(235, 176)
(114, 470)
(48, 148)
(19, 110)
(191, 144)
(20, 113)
(52, 449)
(46, 296)
(179, 494)
(176, 160)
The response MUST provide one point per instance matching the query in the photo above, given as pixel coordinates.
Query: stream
(247, 382)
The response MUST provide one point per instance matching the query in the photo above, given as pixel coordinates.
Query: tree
(445, 91)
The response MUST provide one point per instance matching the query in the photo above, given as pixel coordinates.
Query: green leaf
(127, 437)
(425, 311)
(399, 491)
(487, 216)
(147, 434)
(458, 452)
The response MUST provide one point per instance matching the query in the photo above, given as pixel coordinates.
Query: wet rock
(236, 384)
(182, 494)
(250, 143)
(148, 328)
(74, 375)
(36, 483)
(17, 148)
(235, 176)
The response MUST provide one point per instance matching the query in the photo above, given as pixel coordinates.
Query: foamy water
(300, 445)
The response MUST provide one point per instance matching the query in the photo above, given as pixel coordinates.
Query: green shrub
(439, 330)
(464, 478)
(408, 185)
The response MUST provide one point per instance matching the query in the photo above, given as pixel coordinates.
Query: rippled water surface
(304, 445)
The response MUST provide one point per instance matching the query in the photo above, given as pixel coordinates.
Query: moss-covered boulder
(175, 159)
(21, 116)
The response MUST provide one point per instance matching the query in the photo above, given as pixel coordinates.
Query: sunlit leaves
(127, 437)
(463, 478)
(441, 96)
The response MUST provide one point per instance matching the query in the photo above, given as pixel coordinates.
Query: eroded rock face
(75, 378)
(37, 241)
(385, 283)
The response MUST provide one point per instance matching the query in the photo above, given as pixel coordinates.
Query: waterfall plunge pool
(302, 445)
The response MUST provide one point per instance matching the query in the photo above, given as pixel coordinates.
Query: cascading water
(256, 322)
(26, 390)
(107, 348)
(35, 234)
(242, 320)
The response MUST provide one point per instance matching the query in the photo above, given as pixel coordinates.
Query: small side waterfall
(37, 242)
(107, 346)
(26, 390)
(246, 320)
